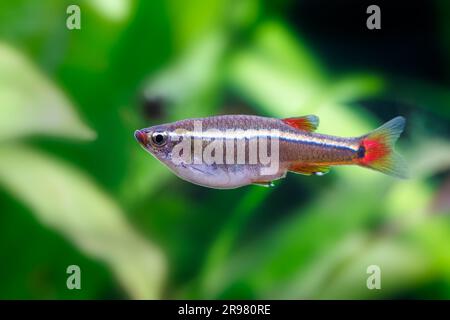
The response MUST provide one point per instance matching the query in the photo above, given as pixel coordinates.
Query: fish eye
(159, 138)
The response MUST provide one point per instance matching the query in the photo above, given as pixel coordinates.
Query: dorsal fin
(306, 123)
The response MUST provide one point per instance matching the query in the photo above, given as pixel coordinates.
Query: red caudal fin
(377, 149)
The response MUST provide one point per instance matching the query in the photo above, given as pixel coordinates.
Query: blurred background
(77, 189)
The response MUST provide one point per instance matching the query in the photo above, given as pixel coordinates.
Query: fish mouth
(141, 137)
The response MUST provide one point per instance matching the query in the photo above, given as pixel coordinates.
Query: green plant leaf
(31, 104)
(68, 201)
(222, 246)
(115, 10)
(191, 21)
(283, 77)
(402, 267)
(292, 245)
(421, 94)
(190, 83)
(316, 252)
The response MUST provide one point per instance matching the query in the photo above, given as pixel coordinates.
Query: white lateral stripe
(263, 134)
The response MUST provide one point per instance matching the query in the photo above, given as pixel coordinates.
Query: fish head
(164, 142)
(158, 141)
(161, 141)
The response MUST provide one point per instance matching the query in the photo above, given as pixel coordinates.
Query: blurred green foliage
(77, 189)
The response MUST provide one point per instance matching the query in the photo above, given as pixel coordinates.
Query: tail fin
(377, 149)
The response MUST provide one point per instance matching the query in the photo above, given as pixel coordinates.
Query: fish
(231, 151)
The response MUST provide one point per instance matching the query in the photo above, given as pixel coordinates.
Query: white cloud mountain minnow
(231, 151)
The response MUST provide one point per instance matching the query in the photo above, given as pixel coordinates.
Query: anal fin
(308, 170)
(266, 184)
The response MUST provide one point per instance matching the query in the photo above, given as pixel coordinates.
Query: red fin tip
(307, 123)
